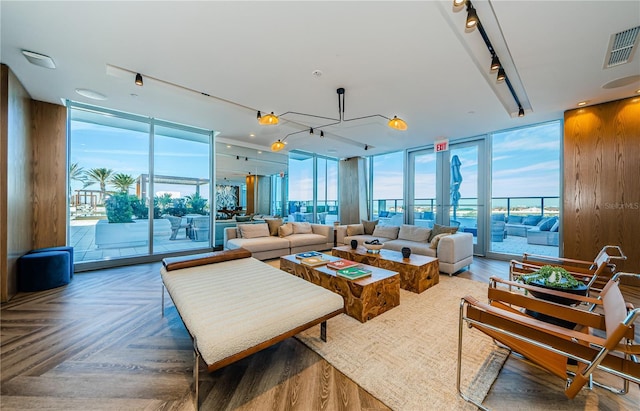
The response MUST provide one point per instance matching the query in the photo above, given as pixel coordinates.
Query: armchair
(505, 319)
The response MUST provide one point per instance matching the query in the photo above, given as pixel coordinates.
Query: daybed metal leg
(196, 375)
(323, 331)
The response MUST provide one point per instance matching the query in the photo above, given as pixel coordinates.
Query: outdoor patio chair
(593, 273)
(176, 225)
(506, 319)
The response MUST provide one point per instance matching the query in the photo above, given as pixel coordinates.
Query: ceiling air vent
(621, 47)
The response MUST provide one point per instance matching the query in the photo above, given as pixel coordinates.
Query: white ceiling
(411, 59)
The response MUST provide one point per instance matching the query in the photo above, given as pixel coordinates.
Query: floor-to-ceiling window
(312, 188)
(133, 183)
(387, 182)
(525, 194)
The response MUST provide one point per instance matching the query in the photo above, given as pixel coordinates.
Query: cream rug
(407, 356)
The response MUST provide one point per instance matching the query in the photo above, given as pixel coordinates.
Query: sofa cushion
(414, 233)
(416, 248)
(436, 239)
(546, 224)
(369, 226)
(555, 227)
(274, 224)
(439, 229)
(383, 214)
(355, 229)
(299, 240)
(285, 230)
(256, 245)
(254, 230)
(243, 219)
(514, 219)
(302, 228)
(389, 231)
(531, 219)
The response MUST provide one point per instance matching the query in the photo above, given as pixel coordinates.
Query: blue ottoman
(43, 270)
(61, 248)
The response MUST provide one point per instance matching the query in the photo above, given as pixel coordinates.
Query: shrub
(118, 208)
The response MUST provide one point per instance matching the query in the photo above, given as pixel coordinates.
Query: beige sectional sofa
(274, 239)
(454, 251)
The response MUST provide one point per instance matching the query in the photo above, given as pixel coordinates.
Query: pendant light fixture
(268, 120)
(495, 63)
(139, 79)
(395, 123)
(501, 75)
(472, 17)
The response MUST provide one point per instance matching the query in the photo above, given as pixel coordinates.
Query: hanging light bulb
(277, 145)
(397, 124)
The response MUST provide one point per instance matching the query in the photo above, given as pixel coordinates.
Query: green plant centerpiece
(551, 276)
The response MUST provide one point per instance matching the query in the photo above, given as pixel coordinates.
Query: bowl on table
(373, 247)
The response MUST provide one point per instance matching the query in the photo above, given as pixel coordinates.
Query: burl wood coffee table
(417, 273)
(364, 298)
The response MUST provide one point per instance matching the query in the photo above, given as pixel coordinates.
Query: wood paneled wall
(353, 191)
(49, 163)
(602, 180)
(251, 194)
(16, 195)
(32, 177)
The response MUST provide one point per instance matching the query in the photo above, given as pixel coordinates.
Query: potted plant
(556, 278)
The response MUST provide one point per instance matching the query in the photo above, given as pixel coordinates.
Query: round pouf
(43, 270)
(68, 249)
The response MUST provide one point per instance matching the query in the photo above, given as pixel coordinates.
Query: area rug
(407, 356)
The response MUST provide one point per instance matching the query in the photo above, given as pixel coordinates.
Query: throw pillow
(547, 223)
(355, 229)
(302, 228)
(254, 230)
(513, 219)
(369, 226)
(414, 233)
(436, 240)
(386, 231)
(285, 230)
(439, 229)
(274, 224)
(383, 214)
(531, 219)
(555, 227)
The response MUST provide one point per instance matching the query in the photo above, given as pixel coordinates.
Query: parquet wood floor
(101, 343)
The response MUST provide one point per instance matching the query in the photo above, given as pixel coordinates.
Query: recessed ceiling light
(252, 135)
(228, 146)
(91, 94)
(259, 152)
(638, 91)
(39, 59)
(582, 103)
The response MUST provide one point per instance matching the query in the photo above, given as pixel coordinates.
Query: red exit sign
(442, 145)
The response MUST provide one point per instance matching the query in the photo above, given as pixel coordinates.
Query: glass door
(421, 206)
(463, 203)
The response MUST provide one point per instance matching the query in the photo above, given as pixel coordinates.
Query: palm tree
(77, 173)
(122, 182)
(100, 176)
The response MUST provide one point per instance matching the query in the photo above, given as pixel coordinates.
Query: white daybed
(234, 305)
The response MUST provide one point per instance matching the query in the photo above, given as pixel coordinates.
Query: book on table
(314, 261)
(340, 264)
(308, 254)
(354, 273)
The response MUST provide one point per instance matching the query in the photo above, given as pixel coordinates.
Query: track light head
(246, 159)
(139, 81)
(501, 75)
(321, 134)
(495, 63)
(366, 147)
(311, 130)
(458, 3)
(520, 112)
(237, 157)
(472, 17)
